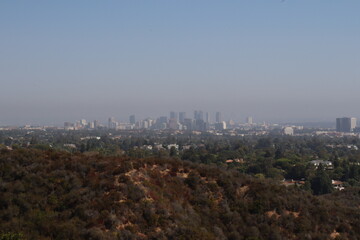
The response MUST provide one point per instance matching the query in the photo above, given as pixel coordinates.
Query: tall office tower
(132, 119)
(198, 115)
(162, 119)
(207, 117)
(150, 121)
(91, 125)
(138, 124)
(249, 120)
(218, 117)
(173, 115)
(200, 125)
(195, 114)
(112, 123)
(145, 124)
(182, 116)
(96, 124)
(345, 124)
(189, 124)
(162, 123)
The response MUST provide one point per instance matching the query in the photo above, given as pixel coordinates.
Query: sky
(275, 60)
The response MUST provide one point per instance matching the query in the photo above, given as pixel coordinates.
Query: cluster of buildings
(201, 122)
(345, 126)
(82, 124)
(175, 121)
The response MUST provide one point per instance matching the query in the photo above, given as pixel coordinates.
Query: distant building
(220, 125)
(200, 125)
(149, 122)
(182, 116)
(162, 119)
(96, 124)
(198, 115)
(173, 115)
(78, 125)
(231, 123)
(69, 126)
(325, 164)
(91, 125)
(161, 123)
(338, 185)
(288, 131)
(249, 120)
(112, 123)
(83, 122)
(207, 117)
(218, 118)
(132, 119)
(345, 124)
(188, 123)
(173, 124)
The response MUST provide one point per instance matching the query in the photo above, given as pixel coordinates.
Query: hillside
(58, 195)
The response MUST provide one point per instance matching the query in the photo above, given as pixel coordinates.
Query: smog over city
(189, 120)
(274, 60)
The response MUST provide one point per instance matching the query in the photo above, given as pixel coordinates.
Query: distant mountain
(56, 195)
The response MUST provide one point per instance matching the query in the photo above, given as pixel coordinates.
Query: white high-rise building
(249, 120)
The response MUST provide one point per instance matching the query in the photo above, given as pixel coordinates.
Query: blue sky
(271, 59)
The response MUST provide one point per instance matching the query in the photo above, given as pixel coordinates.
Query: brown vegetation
(57, 195)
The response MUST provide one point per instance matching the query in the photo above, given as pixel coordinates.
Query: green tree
(321, 183)
(11, 236)
(173, 151)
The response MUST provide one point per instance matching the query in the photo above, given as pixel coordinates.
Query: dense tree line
(275, 156)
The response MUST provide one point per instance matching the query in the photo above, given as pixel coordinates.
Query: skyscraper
(207, 117)
(188, 123)
(182, 116)
(198, 115)
(173, 115)
(345, 124)
(132, 119)
(249, 120)
(218, 117)
(112, 123)
(162, 119)
(96, 124)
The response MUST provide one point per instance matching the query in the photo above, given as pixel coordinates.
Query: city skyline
(273, 60)
(343, 126)
(210, 117)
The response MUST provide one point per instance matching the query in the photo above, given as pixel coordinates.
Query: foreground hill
(56, 195)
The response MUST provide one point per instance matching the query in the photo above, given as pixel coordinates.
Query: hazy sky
(270, 59)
